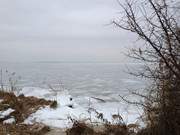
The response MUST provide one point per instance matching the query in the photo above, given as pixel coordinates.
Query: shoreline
(66, 111)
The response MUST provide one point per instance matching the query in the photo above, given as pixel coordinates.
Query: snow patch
(62, 97)
(6, 112)
(1, 100)
(76, 108)
(9, 121)
(37, 92)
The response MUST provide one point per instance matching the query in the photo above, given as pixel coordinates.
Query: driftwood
(102, 100)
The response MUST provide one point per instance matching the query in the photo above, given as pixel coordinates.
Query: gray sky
(60, 30)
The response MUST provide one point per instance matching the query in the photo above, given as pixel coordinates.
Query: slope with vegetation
(15, 109)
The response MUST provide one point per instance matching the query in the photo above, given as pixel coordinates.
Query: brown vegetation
(23, 129)
(81, 128)
(23, 107)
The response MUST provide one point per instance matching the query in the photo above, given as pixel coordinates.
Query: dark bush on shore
(81, 128)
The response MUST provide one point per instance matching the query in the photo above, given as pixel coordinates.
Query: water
(105, 80)
(85, 82)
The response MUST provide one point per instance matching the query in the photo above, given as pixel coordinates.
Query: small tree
(155, 23)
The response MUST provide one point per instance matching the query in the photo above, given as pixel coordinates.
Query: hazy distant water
(89, 79)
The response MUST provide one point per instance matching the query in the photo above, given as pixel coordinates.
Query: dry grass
(22, 129)
(54, 104)
(81, 128)
(23, 106)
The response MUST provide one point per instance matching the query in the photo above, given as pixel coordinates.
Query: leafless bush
(155, 23)
(9, 82)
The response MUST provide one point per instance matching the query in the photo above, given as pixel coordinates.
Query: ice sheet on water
(62, 97)
(35, 91)
(80, 108)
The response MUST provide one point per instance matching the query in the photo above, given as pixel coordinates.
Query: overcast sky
(60, 30)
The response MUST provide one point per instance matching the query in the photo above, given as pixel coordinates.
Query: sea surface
(93, 79)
